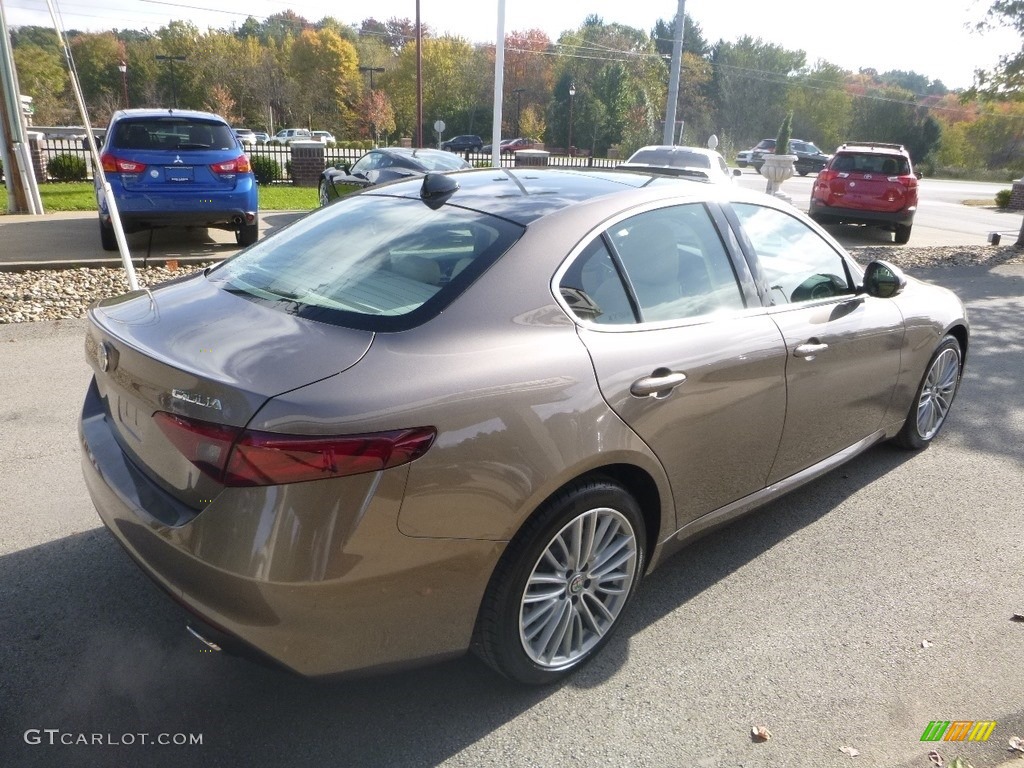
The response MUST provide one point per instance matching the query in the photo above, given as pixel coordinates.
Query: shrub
(1003, 198)
(785, 132)
(67, 168)
(266, 169)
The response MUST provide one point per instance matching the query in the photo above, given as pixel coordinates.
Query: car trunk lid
(193, 350)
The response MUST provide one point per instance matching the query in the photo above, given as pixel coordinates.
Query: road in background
(850, 613)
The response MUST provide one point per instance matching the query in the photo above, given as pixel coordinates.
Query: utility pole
(673, 82)
(174, 87)
(418, 142)
(21, 181)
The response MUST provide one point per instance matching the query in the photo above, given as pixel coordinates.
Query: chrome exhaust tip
(208, 643)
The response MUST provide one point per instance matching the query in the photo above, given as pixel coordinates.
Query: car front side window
(797, 264)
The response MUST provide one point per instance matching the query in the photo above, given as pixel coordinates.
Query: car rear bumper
(144, 208)
(319, 589)
(837, 215)
(219, 219)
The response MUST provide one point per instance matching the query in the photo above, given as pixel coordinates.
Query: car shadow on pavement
(92, 646)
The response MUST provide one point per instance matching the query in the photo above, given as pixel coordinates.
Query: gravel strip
(60, 294)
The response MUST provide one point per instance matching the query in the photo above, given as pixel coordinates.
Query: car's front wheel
(934, 396)
(562, 585)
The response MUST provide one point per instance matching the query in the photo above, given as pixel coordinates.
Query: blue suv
(175, 167)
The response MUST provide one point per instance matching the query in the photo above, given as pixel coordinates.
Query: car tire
(757, 168)
(803, 173)
(741, 165)
(107, 238)
(934, 397)
(248, 233)
(903, 234)
(322, 193)
(545, 613)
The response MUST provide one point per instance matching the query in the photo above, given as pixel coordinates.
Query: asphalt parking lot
(849, 614)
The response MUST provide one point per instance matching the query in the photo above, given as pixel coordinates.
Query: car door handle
(658, 384)
(809, 350)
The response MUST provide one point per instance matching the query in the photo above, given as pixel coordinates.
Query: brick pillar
(307, 162)
(532, 158)
(1017, 196)
(35, 151)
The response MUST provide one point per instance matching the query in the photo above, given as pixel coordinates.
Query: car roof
(879, 147)
(523, 195)
(194, 114)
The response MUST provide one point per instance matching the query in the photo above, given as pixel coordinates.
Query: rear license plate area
(179, 174)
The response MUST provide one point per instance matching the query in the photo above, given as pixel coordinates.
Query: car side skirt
(729, 512)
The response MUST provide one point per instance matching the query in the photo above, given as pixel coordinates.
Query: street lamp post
(519, 103)
(174, 87)
(122, 67)
(572, 94)
(371, 70)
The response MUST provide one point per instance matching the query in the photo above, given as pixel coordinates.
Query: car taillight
(910, 181)
(239, 164)
(112, 164)
(237, 457)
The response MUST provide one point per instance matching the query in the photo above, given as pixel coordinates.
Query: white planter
(777, 168)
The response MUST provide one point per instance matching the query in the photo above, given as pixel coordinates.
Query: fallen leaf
(959, 762)
(851, 751)
(1017, 744)
(926, 644)
(936, 758)
(1017, 617)
(760, 733)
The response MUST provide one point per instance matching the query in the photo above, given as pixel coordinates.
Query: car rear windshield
(871, 162)
(369, 261)
(172, 133)
(674, 159)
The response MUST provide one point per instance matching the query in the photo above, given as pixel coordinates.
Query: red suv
(867, 183)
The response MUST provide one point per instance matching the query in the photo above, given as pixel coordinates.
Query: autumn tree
(326, 70)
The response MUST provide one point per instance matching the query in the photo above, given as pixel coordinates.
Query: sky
(930, 37)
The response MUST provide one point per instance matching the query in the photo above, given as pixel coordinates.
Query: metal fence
(272, 161)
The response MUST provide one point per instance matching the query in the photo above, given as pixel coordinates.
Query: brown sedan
(471, 411)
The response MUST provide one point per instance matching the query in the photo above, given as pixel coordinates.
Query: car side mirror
(883, 280)
(344, 167)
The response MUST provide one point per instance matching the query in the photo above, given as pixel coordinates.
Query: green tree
(43, 76)
(326, 71)
(1007, 78)
(821, 105)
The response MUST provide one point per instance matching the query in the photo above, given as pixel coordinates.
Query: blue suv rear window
(173, 133)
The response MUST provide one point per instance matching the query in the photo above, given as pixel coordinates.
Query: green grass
(79, 196)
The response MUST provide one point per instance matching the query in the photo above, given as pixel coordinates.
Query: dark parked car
(473, 410)
(464, 143)
(380, 165)
(809, 159)
(508, 146)
(176, 168)
(872, 184)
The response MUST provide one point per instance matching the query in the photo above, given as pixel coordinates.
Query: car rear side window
(372, 262)
(173, 133)
(662, 265)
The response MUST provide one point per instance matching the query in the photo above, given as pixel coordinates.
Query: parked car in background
(508, 146)
(870, 183)
(690, 162)
(743, 158)
(809, 159)
(475, 410)
(176, 168)
(386, 164)
(261, 137)
(324, 136)
(288, 135)
(246, 136)
(465, 143)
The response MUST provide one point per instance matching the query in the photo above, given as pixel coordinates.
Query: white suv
(288, 135)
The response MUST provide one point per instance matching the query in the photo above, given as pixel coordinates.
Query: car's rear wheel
(562, 585)
(107, 237)
(248, 234)
(934, 397)
(903, 233)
